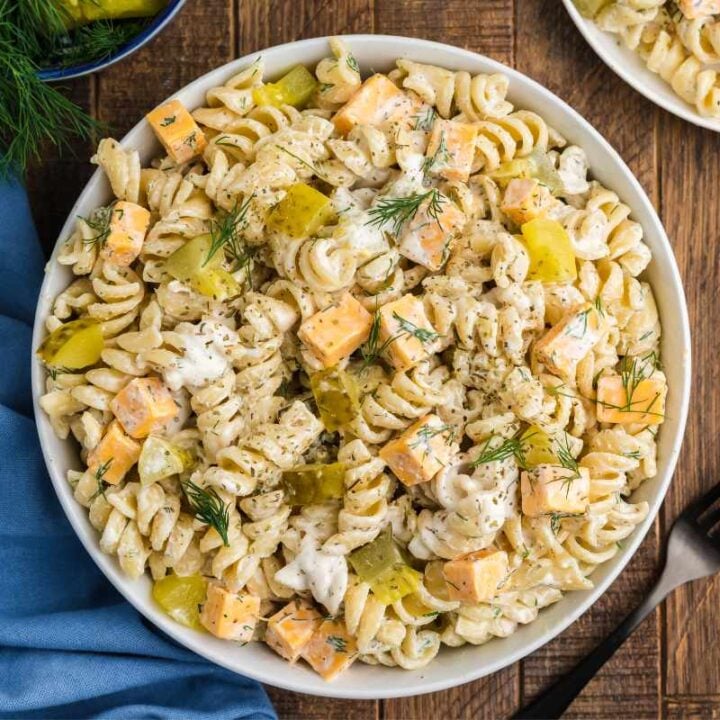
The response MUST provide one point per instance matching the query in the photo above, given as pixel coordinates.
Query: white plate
(453, 666)
(631, 68)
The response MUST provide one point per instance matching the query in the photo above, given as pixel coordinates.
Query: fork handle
(556, 699)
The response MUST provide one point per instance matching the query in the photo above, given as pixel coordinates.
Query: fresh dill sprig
(422, 334)
(308, 165)
(510, 447)
(100, 478)
(425, 121)
(426, 433)
(32, 113)
(352, 63)
(209, 508)
(373, 348)
(398, 210)
(225, 235)
(338, 643)
(100, 224)
(440, 155)
(632, 372)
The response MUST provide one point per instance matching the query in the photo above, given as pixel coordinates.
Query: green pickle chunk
(337, 396)
(301, 213)
(295, 89)
(190, 264)
(536, 165)
(74, 345)
(160, 458)
(538, 448)
(382, 565)
(552, 259)
(180, 597)
(308, 484)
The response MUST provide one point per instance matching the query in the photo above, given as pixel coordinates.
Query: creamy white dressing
(204, 357)
(324, 575)
(573, 169)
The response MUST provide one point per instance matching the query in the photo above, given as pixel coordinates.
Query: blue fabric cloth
(70, 646)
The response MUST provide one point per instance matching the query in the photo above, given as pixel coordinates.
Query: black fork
(693, 551)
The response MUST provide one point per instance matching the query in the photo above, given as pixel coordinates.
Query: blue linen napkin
(70, 646)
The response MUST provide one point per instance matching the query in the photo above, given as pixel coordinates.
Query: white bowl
(453, 666)
(632, 69)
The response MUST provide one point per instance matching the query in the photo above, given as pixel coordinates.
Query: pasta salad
(357, 367)
(677, 39)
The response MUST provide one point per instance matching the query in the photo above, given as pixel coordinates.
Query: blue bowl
(147, 34)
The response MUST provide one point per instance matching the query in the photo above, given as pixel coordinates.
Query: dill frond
(209, 508)
(422, 334)
(398, 210)
(225, 235)
(510, 447)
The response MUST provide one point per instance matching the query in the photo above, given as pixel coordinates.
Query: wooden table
(671, 666)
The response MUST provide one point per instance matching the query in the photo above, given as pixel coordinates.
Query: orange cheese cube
(693, 9)
(554, 489)
(143, 405)
(421, 451)
(338, 331)
(567, 343)
(330, 650)
(451, 149)
(290, 629)
(178, 132)
(525, 199)
(376, 102)
(646, 404)
(126, 233)
(475, 577)
(406, 321)
(426, 237)
(114, 455)
(230, 616)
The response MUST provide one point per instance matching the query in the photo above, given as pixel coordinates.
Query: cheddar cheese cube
(336, 332)
(421, 451)
(426, 237)
(230, 616)
(694, 9)
(405, 321)
(114, 455)
(178, 132)
(126, 233)
(143, 405)
(567, 343)
(290, 629)
(451, 149)
(639, 400)
(376, 102)
(475, 577)
(331, 649)
(554, 489)
(525, 199)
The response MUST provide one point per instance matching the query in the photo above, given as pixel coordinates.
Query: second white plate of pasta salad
(668, 51)
(361, 364)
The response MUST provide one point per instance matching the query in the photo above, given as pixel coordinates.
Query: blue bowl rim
(159, 23)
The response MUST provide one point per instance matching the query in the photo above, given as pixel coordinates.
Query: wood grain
(690, 164)
(671, 667)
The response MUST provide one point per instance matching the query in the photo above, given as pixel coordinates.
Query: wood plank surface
(670, 668)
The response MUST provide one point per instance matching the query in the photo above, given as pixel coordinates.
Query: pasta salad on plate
(357, 367)
(677, 39)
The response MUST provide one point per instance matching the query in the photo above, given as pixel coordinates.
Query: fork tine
(703, 503)
(708, 522)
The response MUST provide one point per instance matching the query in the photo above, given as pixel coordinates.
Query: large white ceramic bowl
(631, 68)
(453, 666)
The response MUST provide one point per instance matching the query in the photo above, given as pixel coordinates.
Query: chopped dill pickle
(536, 165)
(382, 565)
(301, 213)
(337, 396)
(180, 597)
(552, 259)
(315, 483)
(159, 459)
(74, 345)
(538, 448)
(190, 264)
(295, 89)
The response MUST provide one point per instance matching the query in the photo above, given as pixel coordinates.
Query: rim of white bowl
(621, 61)
(304, 680)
